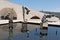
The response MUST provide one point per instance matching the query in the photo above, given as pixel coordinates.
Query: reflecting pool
(33, 32)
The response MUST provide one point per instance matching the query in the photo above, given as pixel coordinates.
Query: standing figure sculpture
(24, 24)
(44, 23)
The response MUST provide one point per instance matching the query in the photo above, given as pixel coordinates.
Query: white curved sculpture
(19, 12)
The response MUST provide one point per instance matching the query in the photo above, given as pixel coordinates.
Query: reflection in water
(27, 34)
(43, 34)
(6, 27)
(36, 29)
(10, 25)
(35, 34)
(56, 32)
(24, 27)
(10, 32)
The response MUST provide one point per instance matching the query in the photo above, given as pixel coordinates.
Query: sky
(45, 5)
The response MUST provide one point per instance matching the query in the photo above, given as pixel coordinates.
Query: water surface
(52, 33)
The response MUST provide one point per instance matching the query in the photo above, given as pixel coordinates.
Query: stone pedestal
(44, 25)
